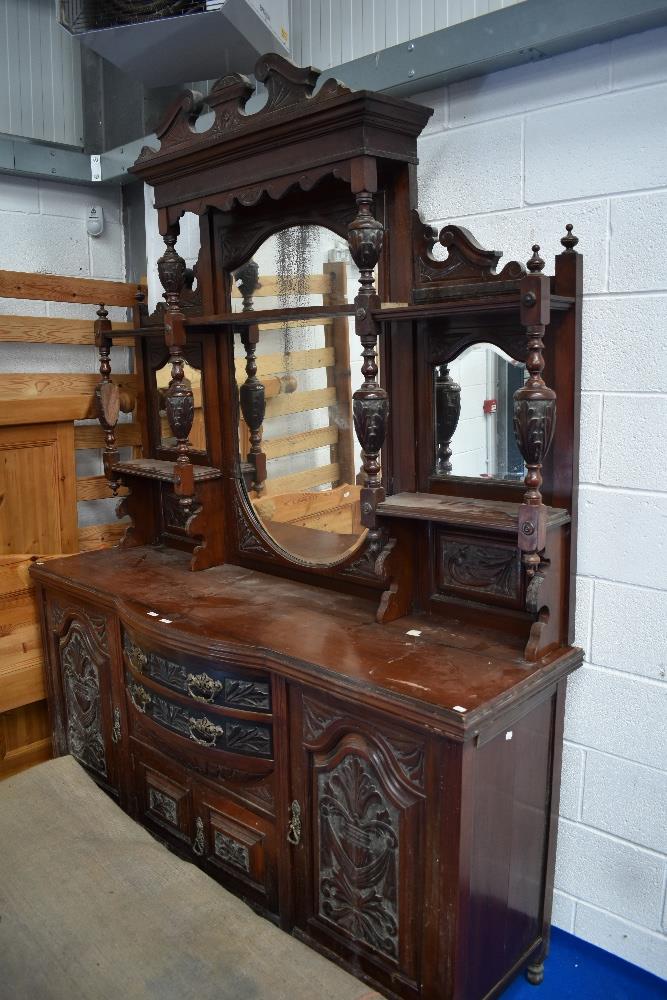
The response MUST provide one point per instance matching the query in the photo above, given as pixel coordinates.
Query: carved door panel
(88, 724)
(357, 833)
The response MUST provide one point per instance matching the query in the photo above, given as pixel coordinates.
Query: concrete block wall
(582, 138)
(43, 225)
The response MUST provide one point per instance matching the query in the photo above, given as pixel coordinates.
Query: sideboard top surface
(452, 675)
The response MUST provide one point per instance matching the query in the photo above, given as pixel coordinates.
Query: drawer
(206, 728)
(210, 683)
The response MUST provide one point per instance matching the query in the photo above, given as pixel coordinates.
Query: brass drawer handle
(141, 699)
(198, 842)
(204, 732)
(202, 687)
(294, 830)
(115, 728)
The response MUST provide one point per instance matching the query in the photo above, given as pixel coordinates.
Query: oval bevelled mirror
(473, 415)
(302, 464)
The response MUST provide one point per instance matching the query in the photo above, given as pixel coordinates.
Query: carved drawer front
(163, 797)
(471, 567)
(206, 729)
(238, 847)
(205, 682)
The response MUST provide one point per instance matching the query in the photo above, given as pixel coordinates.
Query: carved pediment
(289, 90)
(466, 260)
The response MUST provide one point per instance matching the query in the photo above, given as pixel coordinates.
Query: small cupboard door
(87, 723)
(357, 832)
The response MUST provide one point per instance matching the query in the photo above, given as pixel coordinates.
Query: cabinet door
(357, 833)
(237, 847)
(86, 723)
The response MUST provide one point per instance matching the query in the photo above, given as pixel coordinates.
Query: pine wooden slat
(56, 288)
(21, 664)
(45, 410)
(45, 330)
(316, 284)
(92, 436)
(274, 364)
(96, 488)
(297, 402)
(18, 385)
(293, 444)
(21, 758)
(304, 480)
(95, 536)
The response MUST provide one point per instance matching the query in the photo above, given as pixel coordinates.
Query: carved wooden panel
(361, 830)
(359, 856)
(470, 568)
(81, 658)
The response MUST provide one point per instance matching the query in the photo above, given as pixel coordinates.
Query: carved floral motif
(487, 568)
(359, 855)
(230, 851)
(163, 805)
(82, 699)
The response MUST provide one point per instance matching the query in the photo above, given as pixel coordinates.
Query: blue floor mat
(576, 970)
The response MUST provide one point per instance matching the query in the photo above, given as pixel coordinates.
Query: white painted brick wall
(43, 226)
(582, 138)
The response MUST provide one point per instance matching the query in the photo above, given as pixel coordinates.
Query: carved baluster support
(179, 399)
(534, 413)
(107, 397)
(447, 394)
(253, 407)
(370, 402)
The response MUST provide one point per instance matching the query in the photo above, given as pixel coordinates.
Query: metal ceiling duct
(164, 42)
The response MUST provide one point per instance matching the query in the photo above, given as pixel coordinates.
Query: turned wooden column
(107, 397)
(179, 399)
(251, 394)
(370, 403)
(534, 412)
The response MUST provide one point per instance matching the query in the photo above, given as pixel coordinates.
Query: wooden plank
(21, 758)
(57, 288)
(45, 410)
(69, 541)
(45, 330)
(295, 507)
(277, 325)
(96, 488)
(92, 436)
(18, 385)
(297, 402)
(293, 444)
(96, 536)
(274, 364)
(316, 284)
(304, 480)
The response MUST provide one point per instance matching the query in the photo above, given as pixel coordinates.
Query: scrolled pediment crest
(289, 91)
(466, 260)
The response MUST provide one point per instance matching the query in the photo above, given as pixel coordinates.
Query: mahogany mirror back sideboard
(328, 660)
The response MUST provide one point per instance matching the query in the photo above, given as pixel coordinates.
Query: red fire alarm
(490, 405)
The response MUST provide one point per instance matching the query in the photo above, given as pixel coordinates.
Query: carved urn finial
(570, 240)
(247, 282)
(535, 264)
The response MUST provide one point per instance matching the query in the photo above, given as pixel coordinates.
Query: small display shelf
(494, 515)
